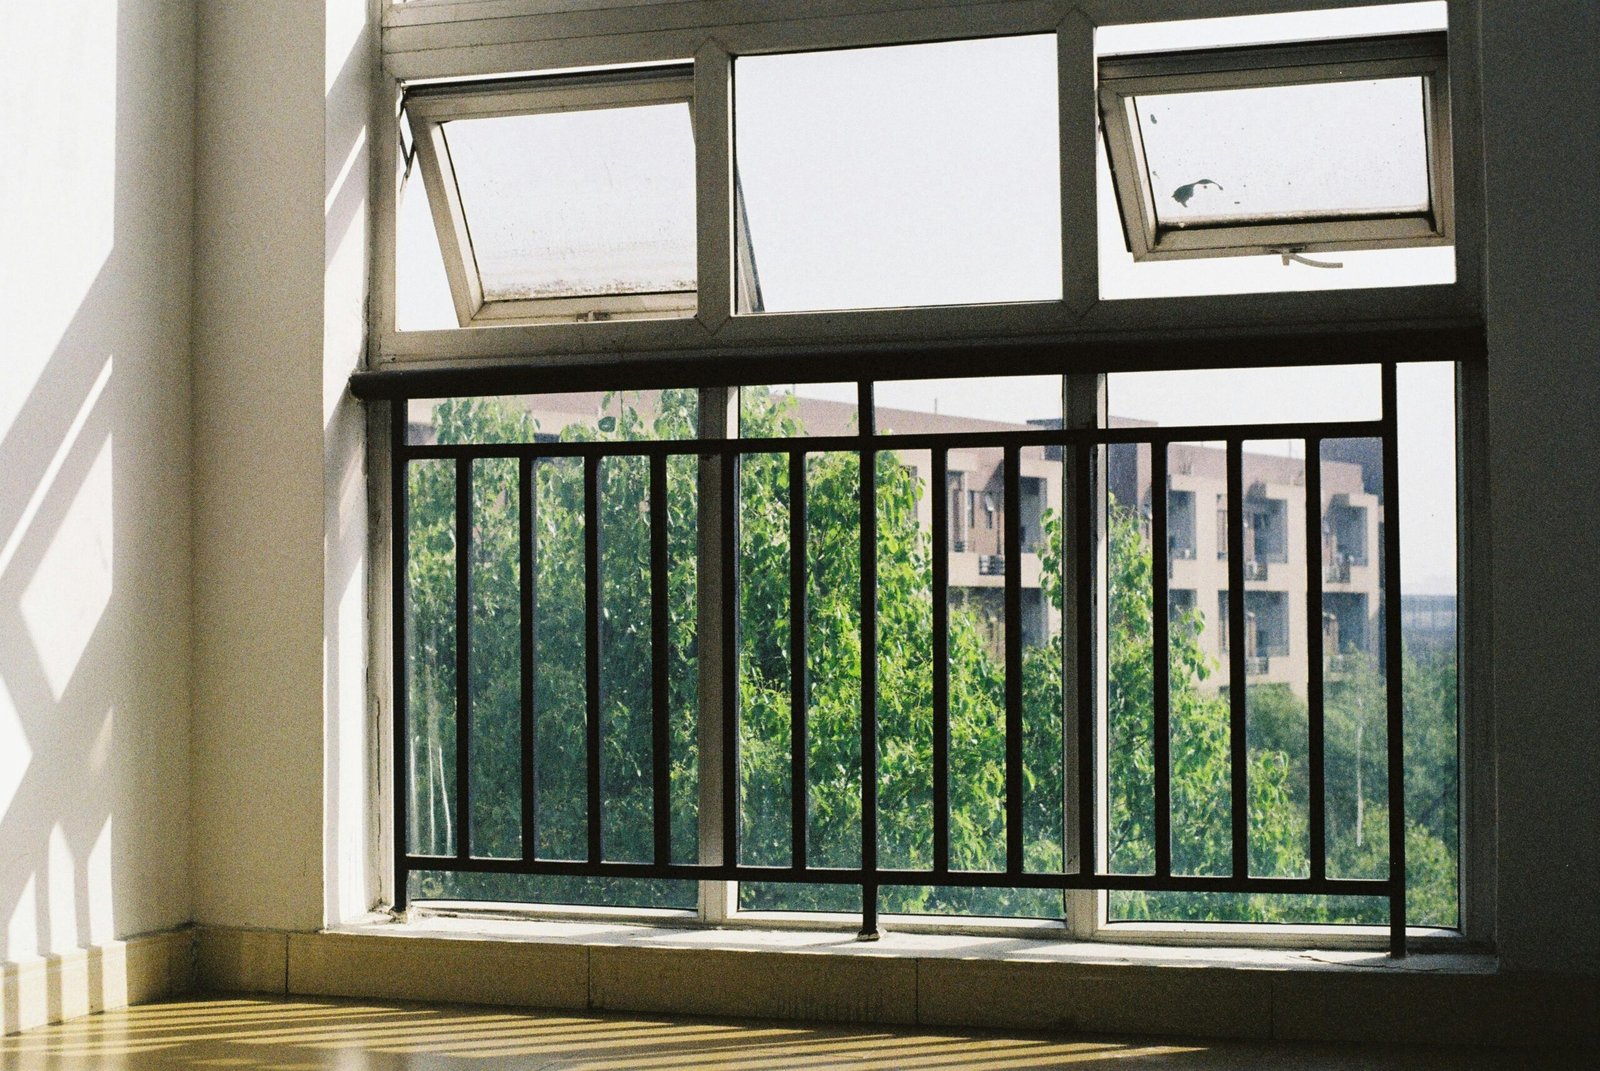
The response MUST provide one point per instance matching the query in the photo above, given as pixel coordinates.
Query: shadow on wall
(94, 617)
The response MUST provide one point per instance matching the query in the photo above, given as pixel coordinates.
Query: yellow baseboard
(116, 974)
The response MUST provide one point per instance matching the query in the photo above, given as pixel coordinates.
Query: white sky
(927, 174)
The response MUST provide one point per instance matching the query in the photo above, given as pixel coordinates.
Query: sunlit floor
(311, 1035)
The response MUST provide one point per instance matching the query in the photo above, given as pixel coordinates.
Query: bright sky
(927, 174)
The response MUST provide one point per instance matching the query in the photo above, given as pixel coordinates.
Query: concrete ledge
(114, 975)
(442, 970)
(906, 979)
(754, 984)
(242, 961)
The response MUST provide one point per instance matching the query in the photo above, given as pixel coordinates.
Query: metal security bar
(1082, 452)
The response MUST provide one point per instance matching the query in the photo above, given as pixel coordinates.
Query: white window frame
(459, 41)
(430, 107)
(1123, 79)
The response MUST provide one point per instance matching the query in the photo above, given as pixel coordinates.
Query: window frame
(1125, 78)
(1081, 335)
(430, 107)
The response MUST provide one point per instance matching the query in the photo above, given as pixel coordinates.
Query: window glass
(1286, 152)
(422, 290)
(911, 175)
(1245, 395)
(574, 416)
(570, 204)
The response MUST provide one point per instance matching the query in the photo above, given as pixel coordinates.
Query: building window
(670, 637)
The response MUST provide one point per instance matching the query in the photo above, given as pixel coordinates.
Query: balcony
(1255, 569)
(1257, 666)
(1337, 572)
(1342, 665)
(991, 565)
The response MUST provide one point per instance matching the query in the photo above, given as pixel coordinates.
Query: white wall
(1542, 124)
(95, 213)
(280, 529)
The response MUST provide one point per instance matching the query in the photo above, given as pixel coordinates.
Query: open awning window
(562, 198)
(1280, 149)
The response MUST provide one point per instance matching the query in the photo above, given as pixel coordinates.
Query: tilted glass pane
(1335, 149)
(572, 204)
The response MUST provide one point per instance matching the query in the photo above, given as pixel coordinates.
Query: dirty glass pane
(569, 204)
(1286, 152)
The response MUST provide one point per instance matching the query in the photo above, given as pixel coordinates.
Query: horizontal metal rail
(884, 441)
(1084, 809)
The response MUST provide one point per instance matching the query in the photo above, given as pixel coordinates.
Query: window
(712, 597)
(1306, 148)
(562, 198)
(914, 175)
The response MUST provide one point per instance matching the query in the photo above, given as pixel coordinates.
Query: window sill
(1028, 941)
(936, 980)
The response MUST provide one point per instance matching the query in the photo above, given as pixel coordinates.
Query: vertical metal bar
(528, 578)
(592, 653)
(715, 562)
(400, 553)
(730, 659)
(1315, 727)
(463, 613)
(660, 656)
(1238, 744)
(1012, 504)
(1085, 791)
(1087, 669)
(941, 661)
(866, 419)
(1161, 660)
(799, 691)
(1393, 656)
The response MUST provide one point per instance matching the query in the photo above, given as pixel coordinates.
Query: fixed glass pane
(983, 403)
(908, 175)
(765, 673)
(495, 633)
(783, 411)
(561, 690)
(1324, 150)
(430, 671)
(578, 416)
(580, 203)
(626, 687)
(666, 895)
(1429, 635)
(1244, 395)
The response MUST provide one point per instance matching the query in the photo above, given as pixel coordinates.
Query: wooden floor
(312, 1035)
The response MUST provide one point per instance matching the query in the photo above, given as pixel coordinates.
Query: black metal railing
(1082, 452)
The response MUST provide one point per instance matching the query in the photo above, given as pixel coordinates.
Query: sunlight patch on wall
(15, 754)
(97, 874)
(58, 192)
(69, 592)
(22, 934)
(61, 892)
